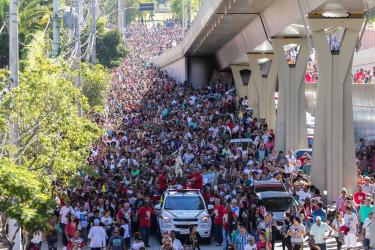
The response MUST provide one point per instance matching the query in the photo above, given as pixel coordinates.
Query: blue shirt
(320, 212)
(242, 240)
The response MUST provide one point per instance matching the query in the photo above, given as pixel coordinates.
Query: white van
(243, 143)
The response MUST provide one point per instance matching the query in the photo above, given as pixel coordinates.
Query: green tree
(54, 140)
(132, 10)
(110, 48)
(33, 16)
(95, 81)
(23, 196)
(176, 6)
(4, 10)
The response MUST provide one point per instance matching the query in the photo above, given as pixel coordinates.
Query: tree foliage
(110, 48)
(95, 81)
(33, 16)
(23, 196)
(177, 7)
(53, 141)
(132, 11)
(4, 9)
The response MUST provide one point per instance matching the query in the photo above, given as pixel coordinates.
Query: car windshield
(267, 188)
(275, 204)
(184, 203)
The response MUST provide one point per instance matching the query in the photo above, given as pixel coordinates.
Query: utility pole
(120, 15)
(183, 18)
(13, 44)
(56, 29)
(124, 17)
(14, 229)
(78, 49)
(190, 12)
(93, 31)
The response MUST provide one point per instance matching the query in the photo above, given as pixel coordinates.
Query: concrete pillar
(291, 109)
(241, 89)
(333, 150)
(265, 85)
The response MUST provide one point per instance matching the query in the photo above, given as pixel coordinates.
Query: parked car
(278, 203)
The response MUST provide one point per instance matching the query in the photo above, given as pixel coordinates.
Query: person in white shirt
(318, 231)
(367, 224)
(64, 212)
(125, 232)
(214, 130)
(288, 168)
(291, 159)
(188, 157)
(367, 187)
(351, 222)
(176, 242)
(82, 218)
(245, 102)
(37, 239)
(138, 243)
(266, 136)
(251, 245)
(303, 193)
(97, 236)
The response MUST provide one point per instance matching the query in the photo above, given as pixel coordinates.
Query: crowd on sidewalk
(160, 134)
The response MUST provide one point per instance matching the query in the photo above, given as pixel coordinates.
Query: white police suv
(179, 209)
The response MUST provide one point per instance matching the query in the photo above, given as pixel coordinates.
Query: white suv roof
(171, 192)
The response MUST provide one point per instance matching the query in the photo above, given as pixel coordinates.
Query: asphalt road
(331, 245)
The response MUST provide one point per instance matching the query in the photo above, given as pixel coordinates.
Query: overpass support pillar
(263, 78)
(241, 77)
(333, 149)
(241, 87)
(291, 108)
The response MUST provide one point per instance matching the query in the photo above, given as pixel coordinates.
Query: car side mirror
(210, 207)
(157, 207)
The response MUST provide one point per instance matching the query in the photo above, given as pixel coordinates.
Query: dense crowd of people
(364, 76)
(161, 134)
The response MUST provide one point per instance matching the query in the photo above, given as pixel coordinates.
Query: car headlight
(166, 219)
(205, 219)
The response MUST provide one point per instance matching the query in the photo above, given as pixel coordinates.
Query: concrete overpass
(250, 37)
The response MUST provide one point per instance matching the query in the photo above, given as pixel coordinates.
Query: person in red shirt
(144, 214)
(208, 197)
(163, 181)
(76, 242)
(359, 197)
(197, 180)
(71, 227)
(218, 212)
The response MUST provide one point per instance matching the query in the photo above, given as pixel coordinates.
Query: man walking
(242, 239)
(97, 236)
(318, 231)
(144, 214)
(351, 223)
(219, 211)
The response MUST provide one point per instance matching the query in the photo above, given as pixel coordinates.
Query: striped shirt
(242, 240)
